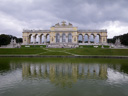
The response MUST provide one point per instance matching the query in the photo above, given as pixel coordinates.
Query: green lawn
(21, 51)
(99, 51)
(84, 50)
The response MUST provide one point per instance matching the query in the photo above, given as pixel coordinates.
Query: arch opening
(30, 39)
(86, 38)
(91, 38)
(69, 37)
(41, 39)
(36, 39)
(97, 38)
(63, 37)
(80, 38)
(57, 37)
(47, 38)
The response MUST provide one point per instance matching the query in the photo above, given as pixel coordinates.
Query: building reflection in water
(64, 74)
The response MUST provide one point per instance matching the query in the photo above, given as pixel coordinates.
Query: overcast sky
(16, 15)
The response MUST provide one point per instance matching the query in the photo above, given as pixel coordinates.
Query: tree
(123, 39)
(4, 39)
(19, 40)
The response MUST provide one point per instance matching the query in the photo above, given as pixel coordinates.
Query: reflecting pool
(63, 77)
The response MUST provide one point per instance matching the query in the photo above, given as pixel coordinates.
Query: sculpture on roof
(70, 24)
(57, 24)
(63, 23)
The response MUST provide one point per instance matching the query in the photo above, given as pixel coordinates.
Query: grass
(99, 51)
(21, 51)
(84, 50)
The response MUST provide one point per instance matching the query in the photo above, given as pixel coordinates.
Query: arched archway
(57, 37)
(41, 38)
(86, 38)
(92, 38)
(30, 39)
(36, 38)
(63, 37)
(80, 38)
(47, 38)
(69, 37)
(97, 38)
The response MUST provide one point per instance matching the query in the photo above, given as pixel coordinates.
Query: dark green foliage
(123, 38)
(19, 40)
(110, 40)
(4, 39)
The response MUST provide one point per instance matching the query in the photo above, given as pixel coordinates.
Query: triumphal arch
(64, 35)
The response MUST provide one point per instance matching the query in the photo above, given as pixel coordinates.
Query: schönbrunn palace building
(64, 35)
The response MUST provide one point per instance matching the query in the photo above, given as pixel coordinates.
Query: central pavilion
(64, 35)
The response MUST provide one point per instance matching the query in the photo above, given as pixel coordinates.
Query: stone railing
(36, 30)
(92, 30)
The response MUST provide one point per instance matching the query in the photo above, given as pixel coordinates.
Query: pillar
(54, 39)
(60, 39)
(88, 39)
(45, 40)
(101, 39)
(71, 39)
(94, 39)
(24, 40)
(29, 40)
(34, 39)
(106, 39)
(66, 39)
(82, 39)
(40, 39)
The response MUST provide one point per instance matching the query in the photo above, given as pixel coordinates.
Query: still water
(63, 77)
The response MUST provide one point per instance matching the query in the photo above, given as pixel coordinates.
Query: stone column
(106, 39)
(34, 39)
(45, 40)
(66, 39)
(60, 39)
(78, 39)
(71, 39)
(25, 40)
(94, 39)
(88, 39)
(100, 41)
(82, 39)
(54, 39)
(29, 40)
(39, 41)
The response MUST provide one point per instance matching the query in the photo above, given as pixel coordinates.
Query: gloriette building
(64, 35)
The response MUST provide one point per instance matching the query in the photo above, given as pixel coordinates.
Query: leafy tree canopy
(123, 38)
(6, 39)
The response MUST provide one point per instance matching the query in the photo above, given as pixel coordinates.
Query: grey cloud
(44, 13)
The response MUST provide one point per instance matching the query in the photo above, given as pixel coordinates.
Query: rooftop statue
(70, 24)
(57, 24)
(63, 23)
